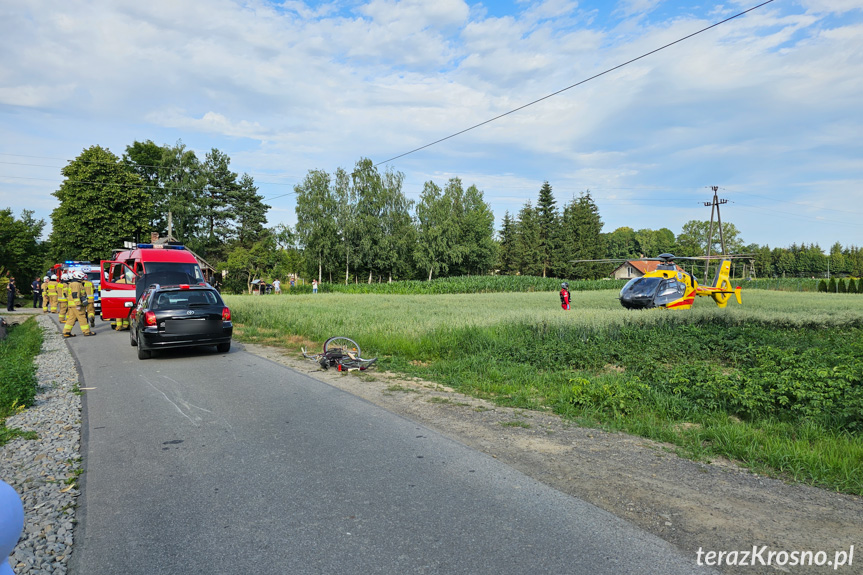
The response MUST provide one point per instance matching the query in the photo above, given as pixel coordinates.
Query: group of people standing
(277, 286)
(71, 298)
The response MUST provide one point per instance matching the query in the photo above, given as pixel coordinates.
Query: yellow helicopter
(670, 287)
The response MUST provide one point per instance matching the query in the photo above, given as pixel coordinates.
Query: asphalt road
(201, 462)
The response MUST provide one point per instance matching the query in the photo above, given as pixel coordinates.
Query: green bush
(611, 395)
(822, 286)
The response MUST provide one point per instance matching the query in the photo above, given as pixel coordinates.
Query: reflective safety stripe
(124, 293)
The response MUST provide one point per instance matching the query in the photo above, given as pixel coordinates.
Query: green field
(776, 383)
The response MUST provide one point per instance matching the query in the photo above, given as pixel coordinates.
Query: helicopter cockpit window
(670, 290)
(669, 287)
(640, 288)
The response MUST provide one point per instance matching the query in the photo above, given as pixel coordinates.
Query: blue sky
(768, 106)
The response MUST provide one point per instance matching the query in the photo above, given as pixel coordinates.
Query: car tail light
(150, 318)
(226, 314)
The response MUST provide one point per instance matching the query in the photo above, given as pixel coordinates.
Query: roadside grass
(18, 375)
(775, 385)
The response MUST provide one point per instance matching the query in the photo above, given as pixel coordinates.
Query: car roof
(182, 287)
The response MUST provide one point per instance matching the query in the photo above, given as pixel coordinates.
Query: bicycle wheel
(344, 344)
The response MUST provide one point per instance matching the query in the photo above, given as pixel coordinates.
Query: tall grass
(750, 381)
(18, 372)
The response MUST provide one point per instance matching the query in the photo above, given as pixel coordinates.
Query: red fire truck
(129, 272)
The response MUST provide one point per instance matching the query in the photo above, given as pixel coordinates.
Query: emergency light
(159, 247)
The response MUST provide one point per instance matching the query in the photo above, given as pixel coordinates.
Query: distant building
(635, 269)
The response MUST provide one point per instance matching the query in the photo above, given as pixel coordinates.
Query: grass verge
(18, 374)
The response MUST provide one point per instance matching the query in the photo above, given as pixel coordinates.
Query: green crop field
(776, 383)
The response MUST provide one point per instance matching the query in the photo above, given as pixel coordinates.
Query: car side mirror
(129, 304)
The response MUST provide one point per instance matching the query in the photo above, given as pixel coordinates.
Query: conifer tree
(582, 230)
(548, 221)
(507, 245)
(526, 254)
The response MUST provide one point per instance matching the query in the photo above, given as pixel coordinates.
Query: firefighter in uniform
(46, 285)
(91, 304)
(62, 300)
(77, 301)
(52, 288)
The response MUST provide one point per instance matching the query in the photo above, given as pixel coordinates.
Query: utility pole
(714, 208)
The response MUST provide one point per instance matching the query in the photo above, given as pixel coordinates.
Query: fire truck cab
(129, 272)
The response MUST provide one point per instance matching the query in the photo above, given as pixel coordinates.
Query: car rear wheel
(223, 347)
(143, 353)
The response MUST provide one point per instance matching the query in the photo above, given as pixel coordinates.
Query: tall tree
(145, 159)
(249, 210)
(345, 213)
(651, 243)
(22, 253)
(547, 218)
(371, 201)
(506, 243)
(220, 186)
(183, 182)
(476, 233)
(102, 204)
(399, 231)
(435, 236)
(838, 263)
(316, 220)
(582, 226)
(526, 252)
(692, 240)
(173, 179)
(622, 244)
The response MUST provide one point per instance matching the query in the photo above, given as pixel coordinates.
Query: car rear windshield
(186, 299)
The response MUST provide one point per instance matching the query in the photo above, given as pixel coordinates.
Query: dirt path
(713, 507)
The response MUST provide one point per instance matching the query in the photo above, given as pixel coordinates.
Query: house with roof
(635, 269)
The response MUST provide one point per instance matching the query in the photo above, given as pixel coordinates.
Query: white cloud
(768, 101)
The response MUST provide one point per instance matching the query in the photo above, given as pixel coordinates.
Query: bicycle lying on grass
(342, 353)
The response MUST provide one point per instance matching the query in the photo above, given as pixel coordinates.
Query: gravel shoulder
(715, 506)
(44, 471)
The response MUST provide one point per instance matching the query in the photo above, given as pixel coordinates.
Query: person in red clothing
(564, 295)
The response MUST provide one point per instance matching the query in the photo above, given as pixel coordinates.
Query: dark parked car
(180, 316)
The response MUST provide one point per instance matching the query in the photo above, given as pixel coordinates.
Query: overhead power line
(645, 55)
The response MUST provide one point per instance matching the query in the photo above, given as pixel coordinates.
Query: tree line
(105, 200)
(353, 226)
(361, 225)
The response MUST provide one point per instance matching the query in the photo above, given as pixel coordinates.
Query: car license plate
(193, 326)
